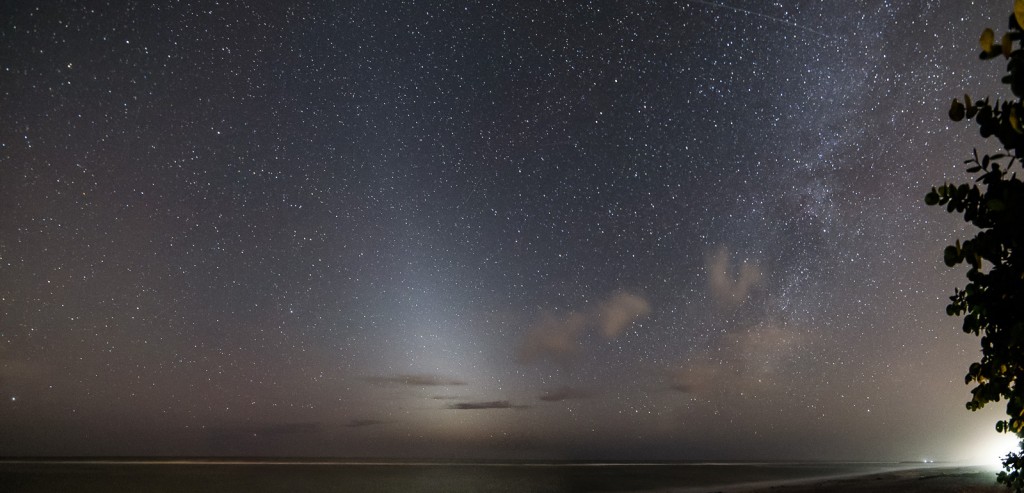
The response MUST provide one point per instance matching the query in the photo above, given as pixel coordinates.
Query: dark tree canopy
(992, 302)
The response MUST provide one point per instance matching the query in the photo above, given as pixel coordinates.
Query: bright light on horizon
(992, 451)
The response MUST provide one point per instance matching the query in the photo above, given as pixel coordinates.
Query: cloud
(485, 405)
(619, 311)
(726, 287)
(444, 397)
(553, 337)
(562, 394)
(360, 423)
(698, 376)
(557, 337)
(765, 349)
(747, 359)
(420, 380)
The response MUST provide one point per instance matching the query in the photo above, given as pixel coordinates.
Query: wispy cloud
(553, 337)
(699, 375)
(727, 286)
(746, 359)
(557, 336)
(562, 394)
(485, 405)
(618, 312)
(419, 380)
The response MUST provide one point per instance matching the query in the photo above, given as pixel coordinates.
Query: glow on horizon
(992, 451)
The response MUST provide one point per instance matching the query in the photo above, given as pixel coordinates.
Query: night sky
(560, 230)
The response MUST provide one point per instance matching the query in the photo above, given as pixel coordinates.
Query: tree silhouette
(992, 302)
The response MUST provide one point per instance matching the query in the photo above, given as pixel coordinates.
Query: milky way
(635, 230)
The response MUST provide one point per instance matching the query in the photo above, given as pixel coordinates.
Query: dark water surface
(259, 477)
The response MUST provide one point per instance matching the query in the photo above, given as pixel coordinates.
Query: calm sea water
(268, 476)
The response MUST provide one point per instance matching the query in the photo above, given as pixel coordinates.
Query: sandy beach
(199, 476)
(958, 479)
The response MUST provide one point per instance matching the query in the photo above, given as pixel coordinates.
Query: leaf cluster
(992, 302)
(1013, 464)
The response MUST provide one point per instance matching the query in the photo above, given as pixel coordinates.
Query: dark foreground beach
(327, 476)
(931, 480)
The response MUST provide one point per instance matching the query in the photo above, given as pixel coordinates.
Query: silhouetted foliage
(992, 303)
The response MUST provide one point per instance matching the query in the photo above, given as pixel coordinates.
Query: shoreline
(940, 479)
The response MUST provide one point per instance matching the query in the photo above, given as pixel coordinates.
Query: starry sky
(524, 230)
